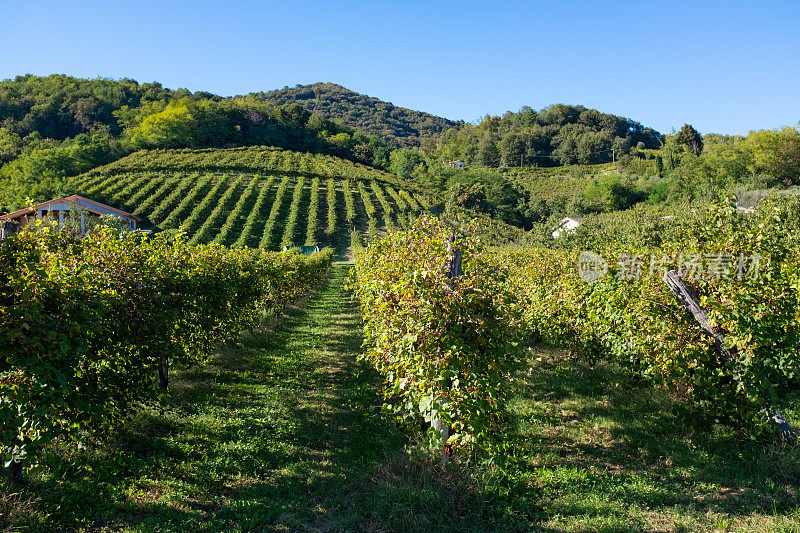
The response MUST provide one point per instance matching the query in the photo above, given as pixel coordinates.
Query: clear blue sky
(725, 67)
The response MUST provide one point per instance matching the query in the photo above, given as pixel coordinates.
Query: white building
(566, 225)
(57, 207)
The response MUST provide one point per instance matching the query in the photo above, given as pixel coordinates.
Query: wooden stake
(452, 269)
(692, 304)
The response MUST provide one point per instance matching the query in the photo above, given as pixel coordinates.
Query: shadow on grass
(589, 431)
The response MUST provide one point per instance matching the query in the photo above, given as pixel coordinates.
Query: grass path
(280, 433)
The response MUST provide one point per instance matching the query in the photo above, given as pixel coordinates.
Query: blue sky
(725, 67)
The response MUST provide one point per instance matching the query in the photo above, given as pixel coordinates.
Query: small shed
(455, 164)
(566, 225)
(57, 207)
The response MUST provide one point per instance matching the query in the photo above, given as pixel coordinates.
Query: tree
(10, 145)
(488, 152)
(774, 152)
(403, 161)
(690, 137)
(170, 128)
(512, 150)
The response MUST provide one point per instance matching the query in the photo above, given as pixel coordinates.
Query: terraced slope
(257, 196)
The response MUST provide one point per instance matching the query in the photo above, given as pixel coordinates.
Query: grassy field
(282, 433)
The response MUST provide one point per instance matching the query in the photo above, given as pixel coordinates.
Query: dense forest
(397, 125)
(556, 135)
(539, 166)
(58, 126)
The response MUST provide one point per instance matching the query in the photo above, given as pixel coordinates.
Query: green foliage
(272, 221)
(637, 321)
(221, 212)
(88, 323)
(331, 197)
(385, 205)
(294, 213)
(609, 193)
(200, 212)
(443, 345)
(60, 106)
(59, 126)
(41, 169)
(195, 191)
(349, 202)
(691, 138)
(172, 200)
(313, 213)
(403, 162)
(556, 135)
(182, 211)
(366, 200)
(235, 220)
(400, 126)
(248, 230)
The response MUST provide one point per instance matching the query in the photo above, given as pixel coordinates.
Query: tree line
(556, 135)
(397, 126)
(58, 126)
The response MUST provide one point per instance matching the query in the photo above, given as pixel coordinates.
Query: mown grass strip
(294, 212)
(254, 217)
(269, 227)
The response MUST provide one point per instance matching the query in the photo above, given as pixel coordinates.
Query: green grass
(282, 433)
(608, 454)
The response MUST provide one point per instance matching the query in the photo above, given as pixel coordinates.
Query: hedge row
(89, 326)
(745, 269)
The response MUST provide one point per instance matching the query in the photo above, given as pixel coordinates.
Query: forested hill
(555, 135)
(52, 127)
(404, 126)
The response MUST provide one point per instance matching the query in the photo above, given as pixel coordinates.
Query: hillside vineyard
(257, 197)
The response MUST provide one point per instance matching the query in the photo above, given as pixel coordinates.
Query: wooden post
(15, 475)
(163, 373)
(692, 304)
(452, 269)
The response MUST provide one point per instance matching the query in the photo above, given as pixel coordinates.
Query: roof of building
(85, 203)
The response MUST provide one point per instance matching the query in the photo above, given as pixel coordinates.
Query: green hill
(257, 196)
(403, 126)
(264, 197)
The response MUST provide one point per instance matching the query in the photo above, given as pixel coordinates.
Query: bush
(637, 321)
(445, 346)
